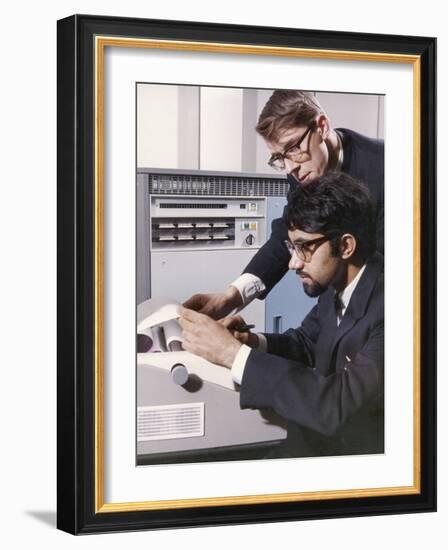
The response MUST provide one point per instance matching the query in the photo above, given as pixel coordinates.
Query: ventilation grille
(170, 421)
(192, 205)
(217, 185)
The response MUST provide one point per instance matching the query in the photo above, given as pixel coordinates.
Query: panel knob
(179, 374)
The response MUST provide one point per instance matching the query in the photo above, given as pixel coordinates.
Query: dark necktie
(338, 306)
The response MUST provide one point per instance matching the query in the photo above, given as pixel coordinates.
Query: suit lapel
(360, 299)
(325, 342)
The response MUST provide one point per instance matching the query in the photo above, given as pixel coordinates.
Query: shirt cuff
(239, 363)
(262, 342)
(249, 286)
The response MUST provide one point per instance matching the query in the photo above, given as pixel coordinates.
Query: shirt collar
(346, 294)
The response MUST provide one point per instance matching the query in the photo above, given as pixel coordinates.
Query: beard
(313, 289)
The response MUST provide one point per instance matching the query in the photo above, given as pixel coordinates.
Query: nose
(291, 166)
(295, 262)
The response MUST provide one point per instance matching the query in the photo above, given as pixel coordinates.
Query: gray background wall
(212, 128)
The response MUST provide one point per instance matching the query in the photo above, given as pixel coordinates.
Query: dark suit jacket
(327, 380)
(364, 161)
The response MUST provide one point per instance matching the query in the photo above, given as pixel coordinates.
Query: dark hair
(287, 109)
(334, 204)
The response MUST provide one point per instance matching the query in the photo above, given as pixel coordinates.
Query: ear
(323, 127)
(347, 246)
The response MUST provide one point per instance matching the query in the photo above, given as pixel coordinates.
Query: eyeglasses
(293, 153)
(306, 249)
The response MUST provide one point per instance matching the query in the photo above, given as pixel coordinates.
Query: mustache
(301, 273)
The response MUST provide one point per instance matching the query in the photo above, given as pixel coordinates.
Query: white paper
(162, 315)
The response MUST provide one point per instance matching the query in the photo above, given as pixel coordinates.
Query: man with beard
(325, 377)
(303, 144)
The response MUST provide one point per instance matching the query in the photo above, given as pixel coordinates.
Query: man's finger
(230, 322)
(186, 325)
(187, 346)
(192, 316)
(195, 302)
(193, 328)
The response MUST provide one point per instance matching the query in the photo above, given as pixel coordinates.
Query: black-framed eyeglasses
(305, 249)
(293, 153)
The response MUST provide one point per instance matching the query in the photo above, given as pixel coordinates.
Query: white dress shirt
(346, 294)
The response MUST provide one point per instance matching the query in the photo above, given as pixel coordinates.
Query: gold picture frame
(82, 43)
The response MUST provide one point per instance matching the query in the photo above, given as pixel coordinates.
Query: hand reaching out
(246, 337)
(215, 305)
(208, 338)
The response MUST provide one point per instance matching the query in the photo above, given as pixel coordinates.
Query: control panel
(204, 222)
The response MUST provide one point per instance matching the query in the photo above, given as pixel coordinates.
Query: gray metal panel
(143, 226)
(169, 171)
(249, 151)
(225, 423)
(180, 274)
(188, 136)
(286, 304)
(208, 185)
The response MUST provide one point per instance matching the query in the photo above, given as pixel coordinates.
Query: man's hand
(232, 323)
(216, 305)
(207, 338)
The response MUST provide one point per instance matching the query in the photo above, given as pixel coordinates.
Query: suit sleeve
(302, 395)
(297, 344)
(270, 263)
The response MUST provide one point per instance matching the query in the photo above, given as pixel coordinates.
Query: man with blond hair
(304, 145)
